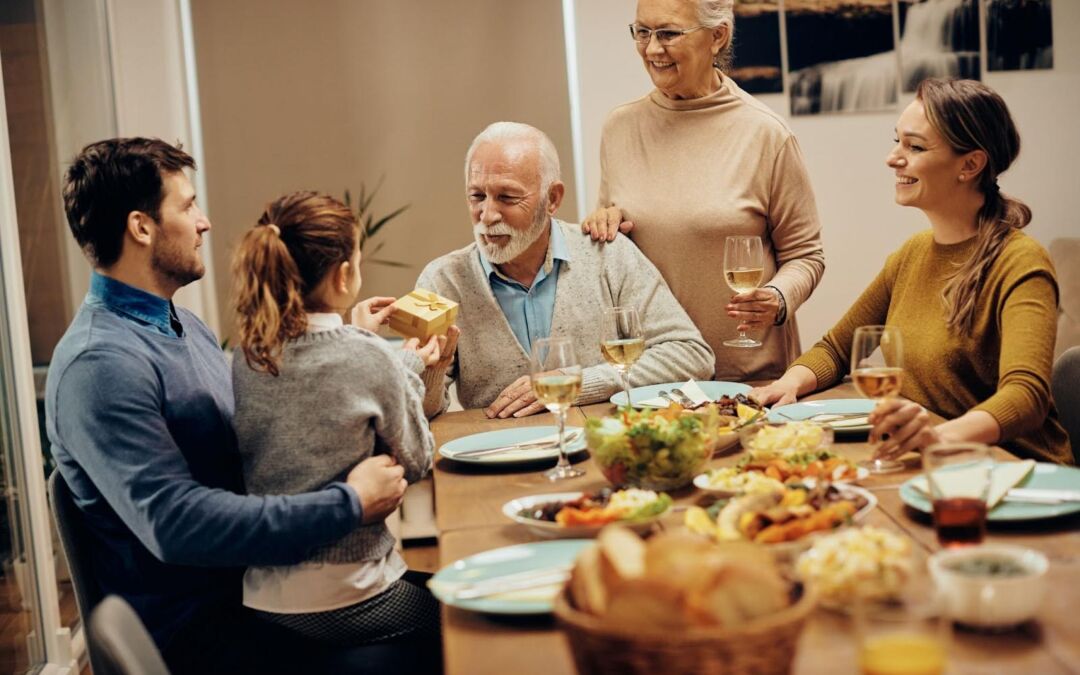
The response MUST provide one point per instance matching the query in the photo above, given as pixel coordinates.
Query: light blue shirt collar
(529, 311)
(132, 303)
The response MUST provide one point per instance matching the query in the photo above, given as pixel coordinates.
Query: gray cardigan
(597, 276)
(342, 395)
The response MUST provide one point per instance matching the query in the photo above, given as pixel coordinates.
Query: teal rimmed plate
(503, 437)
(1044, 476)
(712, 389)
(519, 560)
(805, 410)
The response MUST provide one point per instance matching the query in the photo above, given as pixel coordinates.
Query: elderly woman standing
(697, 160)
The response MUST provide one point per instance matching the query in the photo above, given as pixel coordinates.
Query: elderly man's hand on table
(902, 426)
(517, 400)
(605, 223)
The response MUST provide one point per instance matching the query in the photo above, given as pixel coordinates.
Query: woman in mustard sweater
(975, 299)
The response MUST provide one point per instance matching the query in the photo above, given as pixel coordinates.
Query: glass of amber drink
(556, 381)
(958, 476)
(909, 638)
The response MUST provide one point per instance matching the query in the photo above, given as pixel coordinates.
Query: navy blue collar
(134, 303)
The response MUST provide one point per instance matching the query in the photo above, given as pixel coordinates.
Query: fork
(684, 400)
(667, 397)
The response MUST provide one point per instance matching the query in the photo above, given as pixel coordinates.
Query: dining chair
(73, 540)
(122, 643)
(1065, 387)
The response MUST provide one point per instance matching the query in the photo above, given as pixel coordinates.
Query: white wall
(117, 68)
(845, 153)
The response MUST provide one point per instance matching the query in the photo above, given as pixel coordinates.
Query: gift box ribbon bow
(428, 301)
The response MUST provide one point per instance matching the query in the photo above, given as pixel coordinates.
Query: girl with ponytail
(975, 299)
(313, 397)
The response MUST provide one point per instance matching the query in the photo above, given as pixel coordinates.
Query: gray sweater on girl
(342, 395)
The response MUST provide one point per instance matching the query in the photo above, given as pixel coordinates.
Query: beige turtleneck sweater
(688, 174)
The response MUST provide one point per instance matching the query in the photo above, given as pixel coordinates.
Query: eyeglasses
(664, 36)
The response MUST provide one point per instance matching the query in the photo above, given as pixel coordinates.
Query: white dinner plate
(513, 508)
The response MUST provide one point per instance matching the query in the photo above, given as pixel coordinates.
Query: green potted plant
(370, 225)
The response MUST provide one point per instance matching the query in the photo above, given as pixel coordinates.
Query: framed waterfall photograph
(756, 65)
(938, 38)
(1019, 35)
(841, 55)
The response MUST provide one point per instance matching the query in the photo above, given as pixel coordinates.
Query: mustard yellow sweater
(1002, 367)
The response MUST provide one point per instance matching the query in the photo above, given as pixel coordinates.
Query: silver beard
(519, 241)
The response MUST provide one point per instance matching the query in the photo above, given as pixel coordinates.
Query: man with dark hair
(139, 413)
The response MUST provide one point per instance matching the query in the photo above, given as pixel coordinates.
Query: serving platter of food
(581, 514)
(790, 514)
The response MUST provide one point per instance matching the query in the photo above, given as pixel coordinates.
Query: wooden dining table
(468, 507)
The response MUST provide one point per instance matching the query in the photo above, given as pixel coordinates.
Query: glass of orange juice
(907, 638)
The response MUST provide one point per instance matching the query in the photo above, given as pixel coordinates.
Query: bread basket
(763, 646)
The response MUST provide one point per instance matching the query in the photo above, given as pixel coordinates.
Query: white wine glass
(622, 343)
(877, 370)
(744, 268)
(556, 381)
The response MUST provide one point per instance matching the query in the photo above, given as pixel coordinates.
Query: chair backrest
(122, 643)
(1065, 385)
(73, 540)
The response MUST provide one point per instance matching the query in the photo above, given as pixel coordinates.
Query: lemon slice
(697, 520)
(745, 412)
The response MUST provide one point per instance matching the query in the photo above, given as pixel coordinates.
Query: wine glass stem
(561, 414)
(625, 373)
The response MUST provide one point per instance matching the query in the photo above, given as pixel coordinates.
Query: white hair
(507, 132)
(714, 13)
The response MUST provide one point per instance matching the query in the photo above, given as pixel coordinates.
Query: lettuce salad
(650, 449)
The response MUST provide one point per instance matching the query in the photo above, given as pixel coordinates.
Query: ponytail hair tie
(274, 228)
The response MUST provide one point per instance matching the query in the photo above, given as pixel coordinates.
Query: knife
(520, 581)
(529, 445)
(1038, 496)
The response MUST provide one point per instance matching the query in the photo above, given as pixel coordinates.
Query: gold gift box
(421, 314)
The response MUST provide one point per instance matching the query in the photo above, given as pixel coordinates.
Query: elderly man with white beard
(530, 276)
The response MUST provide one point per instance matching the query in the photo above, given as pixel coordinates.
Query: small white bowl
(989, 601)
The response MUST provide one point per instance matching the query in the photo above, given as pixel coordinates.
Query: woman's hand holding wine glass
(744, 270)
(877, 370)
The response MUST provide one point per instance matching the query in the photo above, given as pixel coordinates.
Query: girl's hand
(902, 426)
(605, 223)
(371, 313)
(754, 309)
(430, 352)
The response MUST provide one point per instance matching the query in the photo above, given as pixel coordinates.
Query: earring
(962, 177)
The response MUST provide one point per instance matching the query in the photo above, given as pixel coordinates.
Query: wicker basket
(763, 646)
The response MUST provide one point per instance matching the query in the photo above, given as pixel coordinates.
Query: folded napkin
(1003, 477)
(691, 389)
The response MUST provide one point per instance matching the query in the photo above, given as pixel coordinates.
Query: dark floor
(14, 621)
